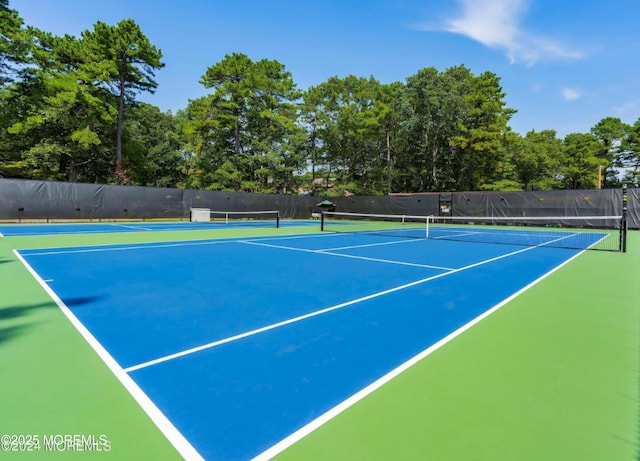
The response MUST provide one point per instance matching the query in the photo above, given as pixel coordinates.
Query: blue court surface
(242, 343)
(9, 230)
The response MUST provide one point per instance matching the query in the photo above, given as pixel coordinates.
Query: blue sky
(564, 65)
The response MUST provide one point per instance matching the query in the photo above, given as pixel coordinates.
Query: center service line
(342, 255)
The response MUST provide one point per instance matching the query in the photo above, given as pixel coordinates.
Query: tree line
(69, 112)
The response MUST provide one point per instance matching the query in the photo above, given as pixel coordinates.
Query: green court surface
(553, 375)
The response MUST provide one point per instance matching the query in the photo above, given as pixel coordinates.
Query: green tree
(537, 158)
(14, 42)
(14, 47)
(65, 115)
(313, 120)
(199, 131)
(481, 138)
(153, 142)
(123, 62)
(630, 155)
(350, 132)
(275, 137)
(388, 118)
(59, 119)
(244, 135)
(453, 128)
(358, 146)
(610, 131)
(231, 81)
(430, 109)
(581, 161)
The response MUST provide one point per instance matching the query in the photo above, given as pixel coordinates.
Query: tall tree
(537, 158)
(581, 161)
(610, 131)
(123, 62)
(351, 133)
(453, 128)
(276, 138)
(388, 117)
(481, 139)
(14, 42)
(60, 120)
(153, 143)
(630, 156)
(244, 135)
(13, 52)
(312, 119)
(230, 80)
(429, 112)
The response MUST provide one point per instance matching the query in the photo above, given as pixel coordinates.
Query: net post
(277, 219)
(322, 221)
(623, 224)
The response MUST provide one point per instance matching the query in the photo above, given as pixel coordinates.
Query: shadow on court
(9, 333)
(16, 320)
(8, 314)
(79, 301)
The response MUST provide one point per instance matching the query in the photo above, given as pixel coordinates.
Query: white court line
(344, 405)
(141, 246)
(386, 261)
(31, 234)
(132, 227)
(444, 237)
(598, 241)
(297, 236)
(395, 242)
(316, 313)
(181, 444)
(146, 245)
(365, 258)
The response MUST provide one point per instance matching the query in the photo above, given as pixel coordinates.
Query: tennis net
(267, 218)
(577, 232)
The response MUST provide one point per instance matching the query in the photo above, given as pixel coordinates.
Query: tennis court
(33, 229)
(238, 347)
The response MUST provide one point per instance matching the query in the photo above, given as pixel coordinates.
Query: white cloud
(496, 24)
(571, 94)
